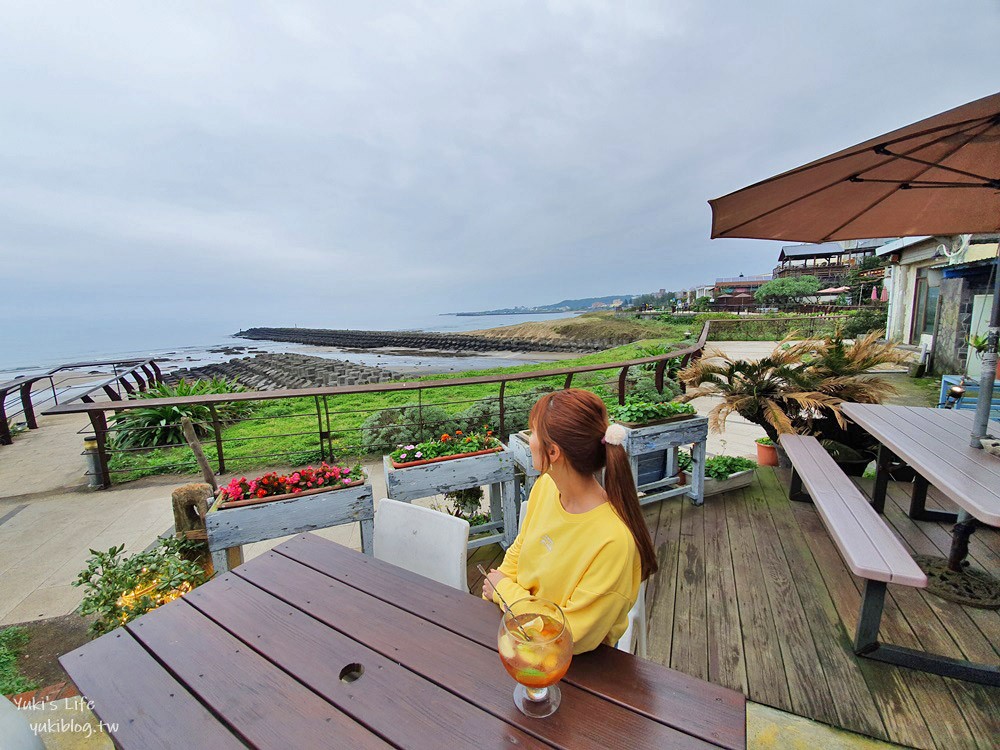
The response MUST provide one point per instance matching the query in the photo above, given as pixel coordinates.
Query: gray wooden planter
(642, 441)
(734, 482)
(526, 473)
(493, 469)
(231, 528)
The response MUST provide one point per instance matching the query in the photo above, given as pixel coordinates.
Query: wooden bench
(871, 551)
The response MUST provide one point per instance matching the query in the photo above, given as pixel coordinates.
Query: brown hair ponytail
(576, 421)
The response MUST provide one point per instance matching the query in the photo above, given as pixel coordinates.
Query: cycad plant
(798, 388)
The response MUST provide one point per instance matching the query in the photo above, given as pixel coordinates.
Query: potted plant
(273, 486)
(722, 473)
(459, 445)
(767, 452)
(851, 461)
(635, 413)
(980, 344)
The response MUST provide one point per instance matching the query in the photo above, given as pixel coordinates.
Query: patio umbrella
(874, 294)
(939, 176)
(885, 293)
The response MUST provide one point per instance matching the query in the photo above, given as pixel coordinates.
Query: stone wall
(420, 340)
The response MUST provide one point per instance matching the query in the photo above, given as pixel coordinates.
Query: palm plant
(798, 388)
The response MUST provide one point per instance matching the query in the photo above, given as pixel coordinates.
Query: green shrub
(644, 389)
(640, 412)
(385, 430)
(119, 589)
(486, 412)
(720, 467)
(864, 321)
(12, 643)
(155, 426)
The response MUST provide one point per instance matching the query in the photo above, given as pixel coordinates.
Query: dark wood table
(269, 655)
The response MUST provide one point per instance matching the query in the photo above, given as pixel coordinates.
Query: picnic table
(935, 443)
(315, 645)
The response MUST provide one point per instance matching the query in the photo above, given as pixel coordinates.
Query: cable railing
(328, 423)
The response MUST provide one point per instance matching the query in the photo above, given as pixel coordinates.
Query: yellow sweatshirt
(587, 563)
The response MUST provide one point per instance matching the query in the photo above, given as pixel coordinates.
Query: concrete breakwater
(277, 371)
(418, 340)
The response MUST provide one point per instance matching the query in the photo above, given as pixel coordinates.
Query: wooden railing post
(319, 423)
(217, 428)
(100, 423)
(621, 385)
(29, 408)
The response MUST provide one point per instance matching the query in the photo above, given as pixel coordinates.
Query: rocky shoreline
(264, 372)
(418, 340)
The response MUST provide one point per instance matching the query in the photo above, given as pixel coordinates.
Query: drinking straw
(505, 606)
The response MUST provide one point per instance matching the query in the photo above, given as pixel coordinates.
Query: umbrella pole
(988, 373)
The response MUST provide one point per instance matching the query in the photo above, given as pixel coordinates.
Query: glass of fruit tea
(536, 648)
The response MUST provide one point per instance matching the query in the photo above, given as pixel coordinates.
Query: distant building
(939, 294)
(829, 262)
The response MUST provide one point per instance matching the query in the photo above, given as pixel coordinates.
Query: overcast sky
(183, 167)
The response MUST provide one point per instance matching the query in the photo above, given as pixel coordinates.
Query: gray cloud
(228, 164)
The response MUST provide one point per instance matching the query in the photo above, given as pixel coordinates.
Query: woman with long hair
(581, 545)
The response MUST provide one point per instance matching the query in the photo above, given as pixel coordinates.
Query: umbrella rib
(884, 197)
(954, 128)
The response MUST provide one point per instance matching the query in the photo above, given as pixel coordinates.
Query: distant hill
(566, 305)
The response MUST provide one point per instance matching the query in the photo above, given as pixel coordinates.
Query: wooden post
(192, 440)
(502, 429)
(190, 503)
(217, 428)
(29, 408)
(100, 424)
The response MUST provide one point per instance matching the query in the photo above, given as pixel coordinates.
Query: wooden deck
(752, 594)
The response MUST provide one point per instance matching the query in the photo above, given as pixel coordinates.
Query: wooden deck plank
(899, 707)
(489, 556)
(726, 663)
(852, 699)
(690, 640)
(807, 686)
(662, 587)
(762, 654)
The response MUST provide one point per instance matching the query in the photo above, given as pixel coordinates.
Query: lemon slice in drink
(534, 627)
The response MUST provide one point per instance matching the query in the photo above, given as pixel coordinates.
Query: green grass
(259, 434)
(12, 643)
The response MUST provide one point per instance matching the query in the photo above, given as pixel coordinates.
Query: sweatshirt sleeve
(599, 599)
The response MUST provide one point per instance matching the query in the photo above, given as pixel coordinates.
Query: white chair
(425, 541)
(633, 640)
(520, 518)
(15, 729)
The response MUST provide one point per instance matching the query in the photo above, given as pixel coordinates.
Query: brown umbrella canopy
(940, 176)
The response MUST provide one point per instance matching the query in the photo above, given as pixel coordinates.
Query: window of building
(926, 298)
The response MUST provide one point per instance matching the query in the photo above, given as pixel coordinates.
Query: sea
(223, 347)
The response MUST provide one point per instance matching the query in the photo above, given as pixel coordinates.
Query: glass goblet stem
(537, 694)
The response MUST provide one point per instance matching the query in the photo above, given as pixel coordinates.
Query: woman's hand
(490, 582)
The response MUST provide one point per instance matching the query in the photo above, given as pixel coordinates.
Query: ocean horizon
(52, 352)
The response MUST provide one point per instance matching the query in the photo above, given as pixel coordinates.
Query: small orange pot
(767, 455)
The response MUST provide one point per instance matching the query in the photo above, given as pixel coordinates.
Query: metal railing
(330, 418)
(20, 396)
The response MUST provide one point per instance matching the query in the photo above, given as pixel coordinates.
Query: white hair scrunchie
(615, 434)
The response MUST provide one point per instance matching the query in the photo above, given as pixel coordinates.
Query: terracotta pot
(767, 455)
(439, 459)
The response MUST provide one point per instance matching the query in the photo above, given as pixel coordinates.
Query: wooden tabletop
(935, 442)
(256, 657)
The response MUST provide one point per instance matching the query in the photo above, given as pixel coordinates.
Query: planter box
(735, 481)
(221, 504)
(439, 459)
(660, 442)
(231, 528)
(493, 468)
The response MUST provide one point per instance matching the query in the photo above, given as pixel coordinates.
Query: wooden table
(268, 655)
(935, 443)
